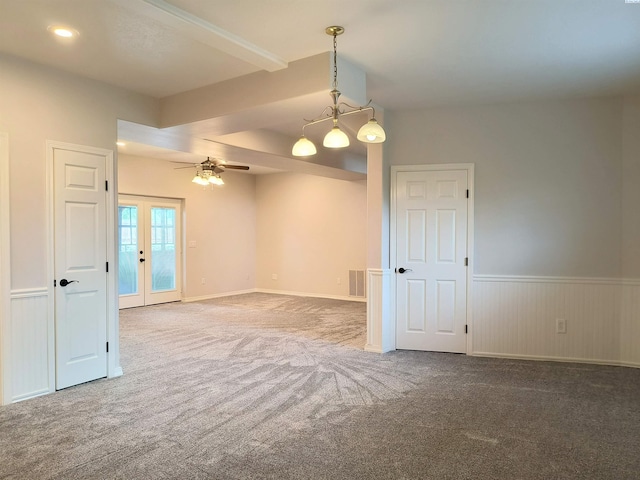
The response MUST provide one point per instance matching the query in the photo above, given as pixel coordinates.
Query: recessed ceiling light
(120, 144)
(63, 31)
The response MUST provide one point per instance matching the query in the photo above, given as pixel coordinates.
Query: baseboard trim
(373, 349)
(217, 295)
(539, 358)
(27, 396)
(313, 295)
(276, 292)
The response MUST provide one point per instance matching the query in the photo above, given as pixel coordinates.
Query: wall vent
(357, 283)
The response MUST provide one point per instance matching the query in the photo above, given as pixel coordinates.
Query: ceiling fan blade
(180, 168)
(234, 167)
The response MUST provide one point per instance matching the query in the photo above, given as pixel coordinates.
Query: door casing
(5, 273)
(469, 168)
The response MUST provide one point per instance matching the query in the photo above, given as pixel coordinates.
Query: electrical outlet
(274, 276)
(203, 281)
(561, 325)
(192, 244)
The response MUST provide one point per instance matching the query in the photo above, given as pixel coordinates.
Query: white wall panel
(381, 327)
(630, 323)
(31, 358)
(516, 316)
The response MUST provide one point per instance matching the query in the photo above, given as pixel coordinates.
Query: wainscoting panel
(31, 356)
(519, 316)
(381, 329)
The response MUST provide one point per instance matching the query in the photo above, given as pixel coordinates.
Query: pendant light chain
(335, 61)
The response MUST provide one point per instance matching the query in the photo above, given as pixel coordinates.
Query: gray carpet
(278, 387)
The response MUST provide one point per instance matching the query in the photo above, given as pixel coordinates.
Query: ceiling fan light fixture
(208, 172)
(336, 138)
(371, 132)
(303, 147)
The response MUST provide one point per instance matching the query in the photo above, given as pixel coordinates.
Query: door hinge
(107, 347)
(107, 267)
(467, 193)
(106, 185)
(466, 329)
(466, 261)
(55, 284)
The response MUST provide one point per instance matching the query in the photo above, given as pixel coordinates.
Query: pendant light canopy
(370, 132)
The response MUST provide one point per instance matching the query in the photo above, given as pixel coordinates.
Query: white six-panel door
(431, 210)
(80, 243)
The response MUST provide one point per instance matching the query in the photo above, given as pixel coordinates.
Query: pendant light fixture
(370, 132)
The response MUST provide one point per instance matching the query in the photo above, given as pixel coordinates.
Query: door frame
(5, 273)
(114, 368)
(395, 169)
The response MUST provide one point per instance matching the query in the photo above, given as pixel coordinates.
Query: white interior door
(80, 265)
(431, 258)
(149, 237)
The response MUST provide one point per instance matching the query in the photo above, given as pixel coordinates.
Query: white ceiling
(416, 53)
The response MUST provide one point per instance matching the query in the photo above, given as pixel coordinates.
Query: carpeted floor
(278, 387)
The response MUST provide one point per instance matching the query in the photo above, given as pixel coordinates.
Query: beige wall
(311, 231)
(548, 180)
(221, 220)
(38, 104)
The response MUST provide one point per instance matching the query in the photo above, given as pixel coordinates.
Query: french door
(149, 250)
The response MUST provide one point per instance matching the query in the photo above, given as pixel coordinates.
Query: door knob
(64, 282)
(402, 270)
(141, 260)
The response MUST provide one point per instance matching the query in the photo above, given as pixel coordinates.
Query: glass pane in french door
(128, 246)
(163, 249)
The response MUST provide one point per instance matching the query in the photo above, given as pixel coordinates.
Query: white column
(381, 335)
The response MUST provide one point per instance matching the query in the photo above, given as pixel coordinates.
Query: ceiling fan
(208, 172)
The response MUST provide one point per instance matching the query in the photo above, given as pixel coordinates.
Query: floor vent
(357, 283)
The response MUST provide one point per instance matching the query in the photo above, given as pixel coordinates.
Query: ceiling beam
(205, 32)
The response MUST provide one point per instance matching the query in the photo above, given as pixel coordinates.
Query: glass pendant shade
(216, 180)
(336, 138)
(199, 180)
(303, 148)
(371, 132)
